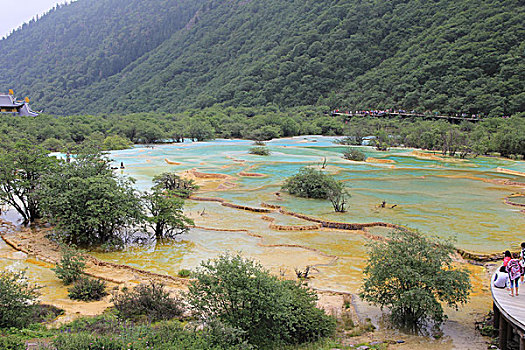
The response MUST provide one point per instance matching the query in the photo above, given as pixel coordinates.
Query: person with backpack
(515, 270)
(522, 259)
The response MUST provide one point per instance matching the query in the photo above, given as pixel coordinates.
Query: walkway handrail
(509, 316)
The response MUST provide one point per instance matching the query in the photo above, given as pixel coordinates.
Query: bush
(12, 343)
(311, 183)
(106, 323)
(269, 312)
(218, 334)
(116, 142)
(70, 267)
(16, 297)
(147, 300)
(260, 151)
(184, 273)
(413, 276)
(43, 312)
(354, 154)
(174, 184)
(84, 341)
(88, 289)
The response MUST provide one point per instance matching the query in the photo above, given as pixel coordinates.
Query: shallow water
(450, 198)
(458, 199)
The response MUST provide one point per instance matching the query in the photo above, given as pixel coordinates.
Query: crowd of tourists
(393, 111)
(376, 112)
(511, 272)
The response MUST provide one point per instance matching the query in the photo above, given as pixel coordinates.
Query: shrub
(88, 289)
(70, 267)
(116, 142)
(217, 334)
(88, 202)
(174, 184)
(269, 312)
(43, 312)
(413, 276)
(12, 343)
(16, 297)
(165, 215)
(147, 300)
(53, 145)
(354, 154)
(184, 273)
(107, 323)
(311, 183)
(84, 341)
(260, 151)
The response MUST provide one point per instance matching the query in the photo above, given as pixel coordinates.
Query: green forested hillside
(75, 45)
(448, 55)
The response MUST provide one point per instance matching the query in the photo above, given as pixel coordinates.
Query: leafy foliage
(71, 265)
(354, 154)
(116, 142)
(412, 275)
(452, 56)
(147, 300)
(88, 203)
(12, 343)
(311, 183)
(270, 312)
(184, 273)
(174, 184)
(83, 43)
(16, 296)
(163, 336)
(87, 289)
(260, 151)
(22, 166)
(504, 136)
(165, 215)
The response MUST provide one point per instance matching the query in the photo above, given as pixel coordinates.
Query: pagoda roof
(9, 101)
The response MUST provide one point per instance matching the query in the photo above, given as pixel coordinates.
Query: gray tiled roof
(8, 101)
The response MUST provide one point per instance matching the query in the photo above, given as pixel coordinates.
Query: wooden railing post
(503, 324)
(496, 315)
(510, 330)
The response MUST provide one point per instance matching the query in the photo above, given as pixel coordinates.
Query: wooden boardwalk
(509, 315)
(409, 115)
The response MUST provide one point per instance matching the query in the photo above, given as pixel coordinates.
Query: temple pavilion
(8, 105)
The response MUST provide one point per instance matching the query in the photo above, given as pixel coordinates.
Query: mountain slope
(75, 45)
(447, 55)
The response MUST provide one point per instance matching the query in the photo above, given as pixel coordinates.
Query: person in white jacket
(501, 278)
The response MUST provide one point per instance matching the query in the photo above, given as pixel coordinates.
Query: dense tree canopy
(99, 57)
(413, 276)
(89, 203)
(22, 168)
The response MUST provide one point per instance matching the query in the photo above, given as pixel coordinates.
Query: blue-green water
(458, 199)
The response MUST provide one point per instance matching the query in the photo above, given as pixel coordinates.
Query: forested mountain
(100, 56)
(75, 45)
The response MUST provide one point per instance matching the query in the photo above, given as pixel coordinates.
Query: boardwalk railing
(509, 316)
(407, 115)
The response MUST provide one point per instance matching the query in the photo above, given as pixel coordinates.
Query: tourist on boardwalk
(514, 269)
(506, 257)
(522, 259)
(501, 278)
